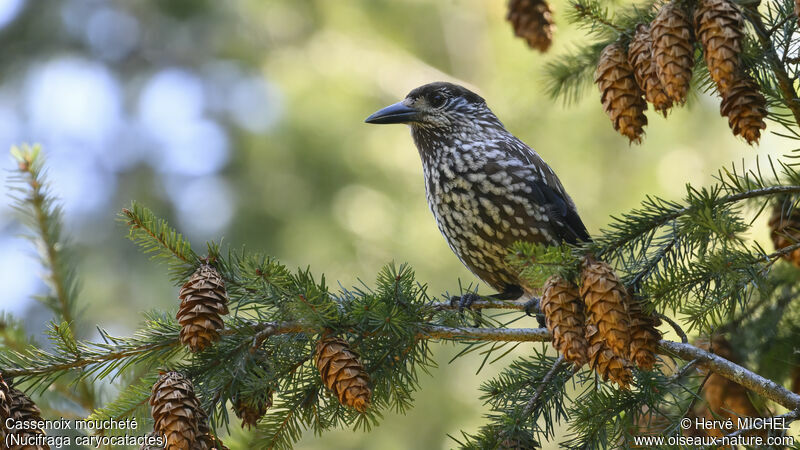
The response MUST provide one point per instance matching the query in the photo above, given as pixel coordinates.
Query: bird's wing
(542, 187)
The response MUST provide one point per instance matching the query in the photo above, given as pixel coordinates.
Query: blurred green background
(244, 120)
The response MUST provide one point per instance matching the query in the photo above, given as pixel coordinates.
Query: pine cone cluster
(785, 230)
(342, 373)
(563, 312)
(600, 323)
(18, 406)
(720, 28)
(532, 20)
(203, 303)
(250, 412)
(178, 415)
(622, 98)
(661, 58)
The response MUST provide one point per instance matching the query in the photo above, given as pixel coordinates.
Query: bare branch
(734, 372)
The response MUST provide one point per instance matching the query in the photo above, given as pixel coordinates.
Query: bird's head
(437, 105)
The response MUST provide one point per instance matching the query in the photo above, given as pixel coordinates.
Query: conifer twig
(542, 385)
(678, 330)
(784, 82)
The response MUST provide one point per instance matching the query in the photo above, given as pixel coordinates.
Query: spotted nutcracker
(486, 188)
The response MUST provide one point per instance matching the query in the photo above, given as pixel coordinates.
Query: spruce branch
(590, 13)
(542, 385)
(658, 212)
(785, 83)
(44, 216)
(155, 236)
(758, 384)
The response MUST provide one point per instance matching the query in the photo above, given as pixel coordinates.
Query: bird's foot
(532, 308)
(463, 301)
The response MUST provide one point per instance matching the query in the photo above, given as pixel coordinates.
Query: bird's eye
(437, 100)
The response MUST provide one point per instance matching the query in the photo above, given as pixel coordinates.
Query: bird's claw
(464, 301)
(531, 308)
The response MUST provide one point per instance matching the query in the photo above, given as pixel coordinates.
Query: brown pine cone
(673, 52)
(785, 231)
(745, 108)
(608, 365)
(532, 21)
(342, 373)
(22, 408)
(176, 411)
(622, 98)
(203, 303)
(644, 336)
(640, 57)
(720, 28)
(607, 305)
(251, 413)
(563, 312)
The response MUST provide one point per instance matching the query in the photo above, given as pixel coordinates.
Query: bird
(486, 188)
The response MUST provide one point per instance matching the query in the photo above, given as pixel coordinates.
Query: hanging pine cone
(342, 373)
(250, 412)
(22, 408)
(176, 411)
(785, 231)
(673, 53)
(607, 305)
(720, 27)
(203, 303)
(745, 108)
(563, 311)
(603, 361)
(532, 21)
(640, 57)
(622, 98)
(644, 336)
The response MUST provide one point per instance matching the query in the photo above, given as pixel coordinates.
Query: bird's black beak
(397, 113)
